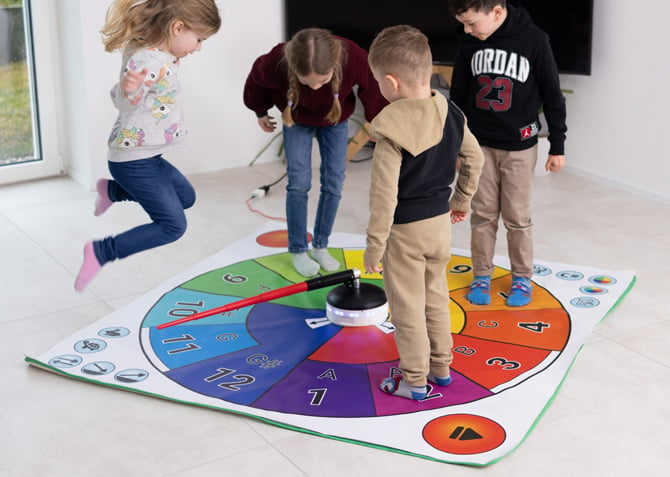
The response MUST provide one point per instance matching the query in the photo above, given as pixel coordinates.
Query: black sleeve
(553, 101)
(459, 79)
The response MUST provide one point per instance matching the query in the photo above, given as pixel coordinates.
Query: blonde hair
(404, 51)
(313, 50)
(137, 24)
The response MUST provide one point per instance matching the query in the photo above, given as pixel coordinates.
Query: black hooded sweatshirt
(501, 83)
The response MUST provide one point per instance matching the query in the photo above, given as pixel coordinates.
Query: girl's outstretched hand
(131, 80)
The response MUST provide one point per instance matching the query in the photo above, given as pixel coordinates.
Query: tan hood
(426, 116)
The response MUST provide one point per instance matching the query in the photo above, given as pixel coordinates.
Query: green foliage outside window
(16, 126)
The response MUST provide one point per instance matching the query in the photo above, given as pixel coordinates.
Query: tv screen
(567, 22)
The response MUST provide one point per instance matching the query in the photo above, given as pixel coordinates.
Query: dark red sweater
(267, 86)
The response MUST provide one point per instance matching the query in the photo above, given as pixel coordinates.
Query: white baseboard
(663, 199)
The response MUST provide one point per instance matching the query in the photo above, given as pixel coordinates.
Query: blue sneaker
(480, 291)
(520, 293)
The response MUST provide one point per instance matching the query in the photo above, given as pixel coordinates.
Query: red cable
(261, 213)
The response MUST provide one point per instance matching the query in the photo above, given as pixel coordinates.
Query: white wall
(78, 144)
(616, 116)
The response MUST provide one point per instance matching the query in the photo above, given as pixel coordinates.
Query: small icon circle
(131, 375)
(602, 280)
(65, 361)
(541, 270)
(114, 332)
(585, 302)
(92, 345)
(570, 275)
(98, 368)
(593, 290)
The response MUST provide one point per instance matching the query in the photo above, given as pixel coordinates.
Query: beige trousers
(505, 191)
(415, 280)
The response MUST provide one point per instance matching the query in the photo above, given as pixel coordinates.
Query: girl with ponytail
(313, 79)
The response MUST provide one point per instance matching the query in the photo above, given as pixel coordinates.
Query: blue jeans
(298, 148)
(162, 191)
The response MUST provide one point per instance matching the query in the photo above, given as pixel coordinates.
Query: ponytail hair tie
(336, 95)
(290, 103)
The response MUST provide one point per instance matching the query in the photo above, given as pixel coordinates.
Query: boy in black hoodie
(503, 73)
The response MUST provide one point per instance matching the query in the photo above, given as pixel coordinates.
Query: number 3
(504, 364)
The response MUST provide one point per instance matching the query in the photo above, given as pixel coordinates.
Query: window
(27, 101)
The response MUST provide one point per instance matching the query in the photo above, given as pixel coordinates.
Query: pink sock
(102, 202)
(89, 268)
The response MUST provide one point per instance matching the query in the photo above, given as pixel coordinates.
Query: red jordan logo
(529, 131)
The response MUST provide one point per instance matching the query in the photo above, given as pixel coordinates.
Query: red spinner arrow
(311, 284)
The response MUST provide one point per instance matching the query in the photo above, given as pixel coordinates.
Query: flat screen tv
(567, 22)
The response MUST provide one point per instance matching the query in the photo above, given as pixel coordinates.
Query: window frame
(41, 56)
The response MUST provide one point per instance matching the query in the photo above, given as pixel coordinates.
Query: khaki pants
(415, 280)
(505, 190)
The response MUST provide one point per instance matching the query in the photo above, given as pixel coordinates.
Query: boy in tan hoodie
(421, 141)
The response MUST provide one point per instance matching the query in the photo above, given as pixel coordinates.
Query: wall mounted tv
(567, 22)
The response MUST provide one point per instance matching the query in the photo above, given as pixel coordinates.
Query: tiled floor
(609, 418)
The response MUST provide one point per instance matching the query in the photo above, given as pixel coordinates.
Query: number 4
(535, 327)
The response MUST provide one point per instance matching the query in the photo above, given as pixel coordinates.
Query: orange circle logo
(276, 239)
(464, 434)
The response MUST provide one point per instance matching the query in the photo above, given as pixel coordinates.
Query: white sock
(327, 262)
(439, 380)
(304, 265)
(398, 387)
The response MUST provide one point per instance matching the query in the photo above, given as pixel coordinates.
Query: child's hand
(458, 216)
(267, 124)
(370, 268)
(554, 163)
(131, 81)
